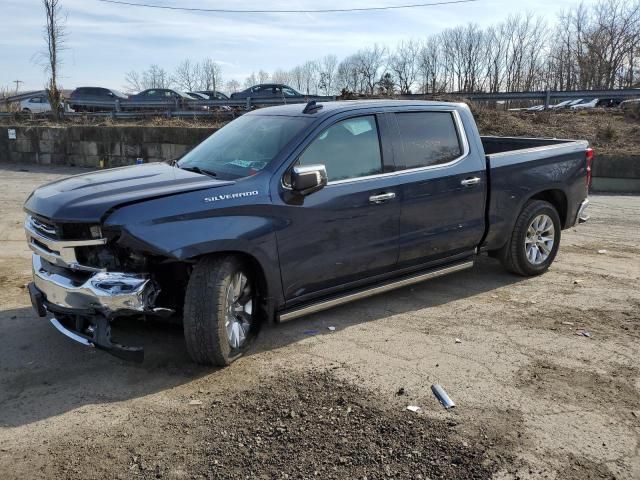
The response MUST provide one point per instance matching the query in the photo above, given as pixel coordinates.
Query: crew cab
(294, 209)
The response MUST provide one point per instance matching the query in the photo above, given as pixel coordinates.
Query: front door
(347, 231)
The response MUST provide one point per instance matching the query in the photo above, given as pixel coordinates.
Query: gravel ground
(535, 399)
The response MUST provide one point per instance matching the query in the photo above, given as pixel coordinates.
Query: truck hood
(87, 197)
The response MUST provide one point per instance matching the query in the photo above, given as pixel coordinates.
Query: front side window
(348, 149)
(428, 138)
(244, 146)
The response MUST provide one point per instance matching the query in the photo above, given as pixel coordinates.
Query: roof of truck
(296, 109)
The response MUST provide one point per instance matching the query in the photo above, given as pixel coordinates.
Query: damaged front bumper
(83, 304)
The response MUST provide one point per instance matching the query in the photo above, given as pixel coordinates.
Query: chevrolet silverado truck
(293, 209)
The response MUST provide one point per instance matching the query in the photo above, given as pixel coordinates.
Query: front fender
(187, 226)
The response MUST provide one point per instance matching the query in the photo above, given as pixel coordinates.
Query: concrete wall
(616, 173)
(86, 145)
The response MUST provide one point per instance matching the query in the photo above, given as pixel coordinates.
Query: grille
(45, 228)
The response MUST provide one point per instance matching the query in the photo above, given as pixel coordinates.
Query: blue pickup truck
(294, 209)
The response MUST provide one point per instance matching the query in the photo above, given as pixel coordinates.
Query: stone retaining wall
(98, 146)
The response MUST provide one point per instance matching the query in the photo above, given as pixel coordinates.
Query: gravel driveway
(535, 397)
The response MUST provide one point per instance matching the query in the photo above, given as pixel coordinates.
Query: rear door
(348, 231)
(443, 201)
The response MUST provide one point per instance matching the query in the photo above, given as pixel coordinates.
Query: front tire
(534, 241)
(219, 310)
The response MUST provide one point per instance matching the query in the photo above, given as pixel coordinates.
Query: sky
(105, 41)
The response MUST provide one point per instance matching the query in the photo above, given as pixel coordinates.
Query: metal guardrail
(181, 104)
(545, 96)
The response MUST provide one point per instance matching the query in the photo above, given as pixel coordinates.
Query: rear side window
(428, 138)
(347, 149)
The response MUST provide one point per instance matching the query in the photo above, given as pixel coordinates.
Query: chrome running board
(334, 302)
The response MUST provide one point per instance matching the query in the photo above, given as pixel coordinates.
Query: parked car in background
(267, 90)
(213, 94)
(629, 104)
(198, 95)
(560, 105)
(608, 102)
(35, 104)
(574, 102)
(173, 97)
(105, 96)
(582, 106)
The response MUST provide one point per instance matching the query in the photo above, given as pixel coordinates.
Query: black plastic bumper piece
(37, 300)
(97, 334)
(85, 327)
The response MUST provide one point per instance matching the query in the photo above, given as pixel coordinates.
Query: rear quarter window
(428, 138)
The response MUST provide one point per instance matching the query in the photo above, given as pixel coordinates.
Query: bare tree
(156, 77)
(251, 80)
(233, 85)
(54, 37)
(281, 76)
(133, 82)
(327, 68)
(403, 62)
(263, 77)
(187, 75)
(210, 75)
(370, 62)
(153, 77)
(310, 71)
(430, 65)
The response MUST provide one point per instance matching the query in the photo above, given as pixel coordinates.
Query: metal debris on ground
(332, 329)
(442, 396)
(602, 252)
(458, 340)
(584, 333)
(413, 408)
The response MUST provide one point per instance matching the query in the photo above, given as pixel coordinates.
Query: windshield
(244, 146)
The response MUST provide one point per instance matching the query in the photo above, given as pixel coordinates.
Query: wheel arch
(265, 289)
(558, 199)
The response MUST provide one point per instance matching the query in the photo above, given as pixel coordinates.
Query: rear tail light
(589, 156)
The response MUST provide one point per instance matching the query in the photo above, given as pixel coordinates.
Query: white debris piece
(413, 408)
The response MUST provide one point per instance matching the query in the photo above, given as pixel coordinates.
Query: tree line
(590, 47)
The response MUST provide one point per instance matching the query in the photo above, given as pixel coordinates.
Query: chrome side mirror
(308, 178)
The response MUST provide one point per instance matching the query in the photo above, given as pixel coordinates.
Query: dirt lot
(534, 398)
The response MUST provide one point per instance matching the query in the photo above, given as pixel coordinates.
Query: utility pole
(17, 82)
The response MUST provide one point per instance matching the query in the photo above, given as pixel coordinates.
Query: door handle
(467, 182)
(381, 198)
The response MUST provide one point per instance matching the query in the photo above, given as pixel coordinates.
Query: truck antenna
(312, 107)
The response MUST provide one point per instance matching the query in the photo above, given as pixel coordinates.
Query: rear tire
(219, 310)
(534, 241)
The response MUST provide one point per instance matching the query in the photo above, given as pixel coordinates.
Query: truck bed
(503, 145)
(519, 167)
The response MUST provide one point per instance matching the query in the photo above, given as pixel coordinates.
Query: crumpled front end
(84, 298)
